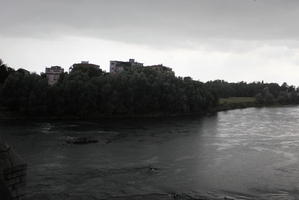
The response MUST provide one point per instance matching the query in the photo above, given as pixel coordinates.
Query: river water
(244, 154)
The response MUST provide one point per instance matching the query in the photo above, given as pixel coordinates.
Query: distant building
(119, 66)
(161, 68)
(53, 74)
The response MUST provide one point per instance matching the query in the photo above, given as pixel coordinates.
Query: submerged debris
(165, 196)
(80, 140)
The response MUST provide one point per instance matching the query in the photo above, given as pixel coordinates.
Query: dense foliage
(86, 91)
(4, 72)
(89, 92)
(265, 93)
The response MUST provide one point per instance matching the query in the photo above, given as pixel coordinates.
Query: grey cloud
(153, 22)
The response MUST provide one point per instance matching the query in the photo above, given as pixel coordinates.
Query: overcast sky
(234, 40)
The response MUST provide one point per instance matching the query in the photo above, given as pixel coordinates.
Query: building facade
(53, 74)
(119, 66)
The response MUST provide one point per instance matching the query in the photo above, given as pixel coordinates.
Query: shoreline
(9, 115)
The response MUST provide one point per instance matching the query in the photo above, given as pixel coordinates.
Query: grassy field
(236, 100)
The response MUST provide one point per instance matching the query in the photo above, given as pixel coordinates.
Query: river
(243, 154)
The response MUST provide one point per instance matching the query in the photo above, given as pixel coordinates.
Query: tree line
(265, 93)
(87, 91)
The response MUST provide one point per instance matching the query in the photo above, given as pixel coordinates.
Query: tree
(4, 72)
(91, 70)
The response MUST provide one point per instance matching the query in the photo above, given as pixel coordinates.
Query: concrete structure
(12, 174)
(161, 68)
(119, 66)
(53, 74)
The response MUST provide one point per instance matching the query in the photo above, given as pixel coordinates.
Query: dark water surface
(246, 154)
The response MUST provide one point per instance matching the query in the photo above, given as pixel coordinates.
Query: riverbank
(224, 104)
(232, 103)
(9, 115)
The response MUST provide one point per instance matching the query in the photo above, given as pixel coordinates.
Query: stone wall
(12, 174)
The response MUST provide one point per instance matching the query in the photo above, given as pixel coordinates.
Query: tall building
(119, 66)
(53, 74)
